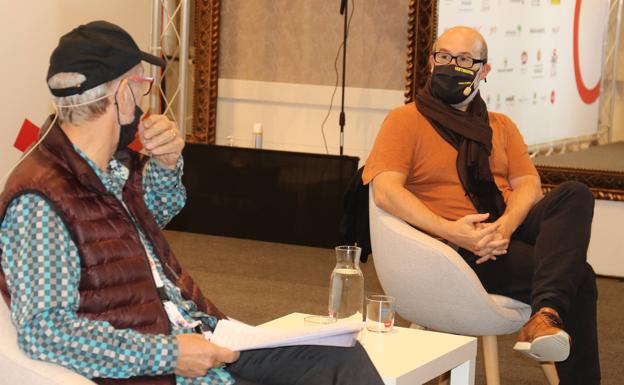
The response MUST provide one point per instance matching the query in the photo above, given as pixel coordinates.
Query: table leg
(464, 374)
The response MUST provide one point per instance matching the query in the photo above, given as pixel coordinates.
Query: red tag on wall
(27, 135)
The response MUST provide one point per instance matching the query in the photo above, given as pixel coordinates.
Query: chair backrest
(17, 368)
(433, 285)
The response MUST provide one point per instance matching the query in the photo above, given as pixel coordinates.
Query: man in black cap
(91, 282)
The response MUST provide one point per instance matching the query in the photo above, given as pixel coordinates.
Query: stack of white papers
(238, 336)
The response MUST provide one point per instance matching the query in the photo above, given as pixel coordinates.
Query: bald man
(462, 174)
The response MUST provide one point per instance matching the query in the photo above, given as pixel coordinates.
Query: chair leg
(490, 359)
(550, 372)
(444, 379)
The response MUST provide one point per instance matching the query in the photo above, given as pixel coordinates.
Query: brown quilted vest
(116, 283)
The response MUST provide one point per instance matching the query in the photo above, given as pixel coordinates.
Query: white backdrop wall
(606, 247)
(29, 31)
(291, 115)
(534, 78)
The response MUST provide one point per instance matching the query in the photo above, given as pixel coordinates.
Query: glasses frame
(143, 79)
(454, 57)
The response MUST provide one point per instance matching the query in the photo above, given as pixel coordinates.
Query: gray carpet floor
(257, 281)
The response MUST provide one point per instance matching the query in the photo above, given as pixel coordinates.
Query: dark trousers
(305, 365)
(546, 265)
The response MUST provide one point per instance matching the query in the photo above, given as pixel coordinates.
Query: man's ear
(124, 97)
(486, 70)
(122, 91)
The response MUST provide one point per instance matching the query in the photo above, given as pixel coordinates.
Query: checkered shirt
(42, 269)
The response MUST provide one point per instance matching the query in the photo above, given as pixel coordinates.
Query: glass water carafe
(346, 288)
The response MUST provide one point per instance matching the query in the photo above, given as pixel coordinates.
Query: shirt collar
(115, 176)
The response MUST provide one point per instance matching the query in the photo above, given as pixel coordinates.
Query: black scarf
(471, 135)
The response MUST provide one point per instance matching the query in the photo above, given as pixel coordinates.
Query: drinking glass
(380, 311)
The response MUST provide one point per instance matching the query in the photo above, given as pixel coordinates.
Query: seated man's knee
(577, 194)
(590, 281)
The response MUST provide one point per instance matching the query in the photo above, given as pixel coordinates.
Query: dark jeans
(546, 265)
(305, 365)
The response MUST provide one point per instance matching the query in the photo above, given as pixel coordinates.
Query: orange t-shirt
(407, 143)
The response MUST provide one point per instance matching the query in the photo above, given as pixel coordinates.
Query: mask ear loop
(468, 90)
(57, 107)
(46, 130)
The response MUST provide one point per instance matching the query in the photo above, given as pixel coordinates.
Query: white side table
(409, 356)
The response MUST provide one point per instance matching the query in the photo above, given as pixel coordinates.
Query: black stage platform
(274, 196)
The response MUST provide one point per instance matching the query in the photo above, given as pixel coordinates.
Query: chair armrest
(17, 368)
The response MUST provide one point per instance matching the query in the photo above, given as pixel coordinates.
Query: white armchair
(17, 368)
(436, 288)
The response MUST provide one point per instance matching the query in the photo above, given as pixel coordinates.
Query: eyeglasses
(145, 82)
(463, 61)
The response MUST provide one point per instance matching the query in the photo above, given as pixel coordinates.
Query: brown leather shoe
(543, 338)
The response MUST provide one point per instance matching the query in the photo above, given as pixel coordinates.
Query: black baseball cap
(99, 50)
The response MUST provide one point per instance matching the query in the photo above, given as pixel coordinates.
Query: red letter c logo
(588, 96)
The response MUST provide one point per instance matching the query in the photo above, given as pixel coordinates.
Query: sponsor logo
(505, 67)
(553, 63)
(553, 57)
(464, 70)
(514, 32)
(509, 99)
(466, 6)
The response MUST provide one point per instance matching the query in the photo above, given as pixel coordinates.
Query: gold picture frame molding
(206, 87)
(422, 29)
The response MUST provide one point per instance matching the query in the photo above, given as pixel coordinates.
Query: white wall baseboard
(606, 247)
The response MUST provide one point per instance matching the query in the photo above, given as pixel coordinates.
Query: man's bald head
(462, 39)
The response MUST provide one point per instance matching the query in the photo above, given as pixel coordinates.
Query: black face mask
(128, 131)
(452, 84)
